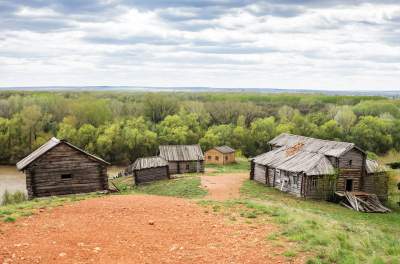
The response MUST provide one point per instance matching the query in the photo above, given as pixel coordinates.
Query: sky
(310, 44)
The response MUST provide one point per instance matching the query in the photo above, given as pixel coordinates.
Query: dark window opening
(209, 157)
(350, 162)
(66, 176)
(226, 157)
(314, 182)
(216, 158)
(349, 185)
(295, 180)
(187, 166)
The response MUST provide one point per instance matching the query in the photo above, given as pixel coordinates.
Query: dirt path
(134, 229)
(223, 187)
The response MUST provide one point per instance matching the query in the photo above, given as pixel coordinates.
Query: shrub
(13, 198)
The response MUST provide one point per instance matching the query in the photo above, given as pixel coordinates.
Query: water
(11, 179)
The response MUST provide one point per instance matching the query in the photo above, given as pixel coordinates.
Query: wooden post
(178, 167)
(252, 165)
(266, 175)
(273, 184)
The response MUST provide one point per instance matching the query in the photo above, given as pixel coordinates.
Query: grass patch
(241, 165)
(186, 187)
(11, 212)
(333, 233)
(13, 198)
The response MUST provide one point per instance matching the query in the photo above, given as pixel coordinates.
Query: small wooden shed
(220, 155)
(58, 168)
(148, 169)
(183, 158)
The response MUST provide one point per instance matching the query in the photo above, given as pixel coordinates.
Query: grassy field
(241, 165)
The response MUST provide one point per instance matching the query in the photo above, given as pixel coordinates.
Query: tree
(373, 134)
(157, 107)
(31, 117)
(262, 130)
(217, 136)
(346, 118)
(330, 130)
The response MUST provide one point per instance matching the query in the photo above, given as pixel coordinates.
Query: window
(187, 166)
(314, 182)
(66, 176)
(226, 157)
(216, 158)
(296, 179)
(209, 157)
(350, 163)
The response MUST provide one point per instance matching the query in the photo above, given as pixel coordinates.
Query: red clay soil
(223, 187)
(135, 229)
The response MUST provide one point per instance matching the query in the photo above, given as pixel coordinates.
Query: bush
(13, 198)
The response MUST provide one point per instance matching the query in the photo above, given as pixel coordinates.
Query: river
(13, 180)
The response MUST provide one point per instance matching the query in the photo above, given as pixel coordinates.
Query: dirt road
(134, 229)
(223, 187)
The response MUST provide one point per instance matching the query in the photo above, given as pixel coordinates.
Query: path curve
(223, 187)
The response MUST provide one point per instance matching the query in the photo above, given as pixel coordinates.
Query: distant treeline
(123, 126)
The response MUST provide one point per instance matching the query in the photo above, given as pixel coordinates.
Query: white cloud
(255, 45)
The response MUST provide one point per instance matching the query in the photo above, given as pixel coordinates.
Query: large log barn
(183, 158)
(316, 168)
(58, 168)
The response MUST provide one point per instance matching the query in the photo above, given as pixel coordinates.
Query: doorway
(349, 185)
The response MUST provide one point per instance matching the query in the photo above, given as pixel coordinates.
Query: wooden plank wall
(44, 174)
(151, 174)
(176, 167)
(376, 183)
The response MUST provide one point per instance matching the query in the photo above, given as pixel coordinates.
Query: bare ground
(225, 186)
(135, 229)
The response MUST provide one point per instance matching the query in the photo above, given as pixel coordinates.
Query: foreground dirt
(135, 229)
(223, 187)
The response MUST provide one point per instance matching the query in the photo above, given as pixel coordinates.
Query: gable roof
(325, 147)
(284, 158)
(224, 149)
(53, 142)
(148, 162)
(181, 152)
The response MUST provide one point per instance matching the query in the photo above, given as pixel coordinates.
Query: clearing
(225, 186)
(136, 229)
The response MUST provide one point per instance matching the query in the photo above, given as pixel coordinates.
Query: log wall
(45, 175)
(178, 167)
(151, 174)
(376, 183)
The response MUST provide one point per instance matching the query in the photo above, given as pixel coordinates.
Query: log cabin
(58, 168)
(316, 168)
(183, 158)
(148, 169)
(220, 155)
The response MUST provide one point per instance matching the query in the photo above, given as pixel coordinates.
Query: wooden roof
(372, 166)
(284, 158)
(181, 152)
(53, 142)
(325, 147)
(148, 162)
(224, 149)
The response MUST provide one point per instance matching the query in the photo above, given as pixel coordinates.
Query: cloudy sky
(331, 44)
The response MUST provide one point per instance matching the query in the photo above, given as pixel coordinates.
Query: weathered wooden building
(183, 158)
(148, 169)
(58, 168)
(220, 155)
(316, 168)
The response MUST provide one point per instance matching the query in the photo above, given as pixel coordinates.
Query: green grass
(333, 233)
(12, 211)
(186, 187)
(13, 198)
(241, 165)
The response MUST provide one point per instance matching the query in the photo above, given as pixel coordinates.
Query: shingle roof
(325, 147)
(283, 158)
(148, 162)
(53, 142)
(224, 149)
(181, 152)
(372, 166)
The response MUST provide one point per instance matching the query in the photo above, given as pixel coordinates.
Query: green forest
(121, 126)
